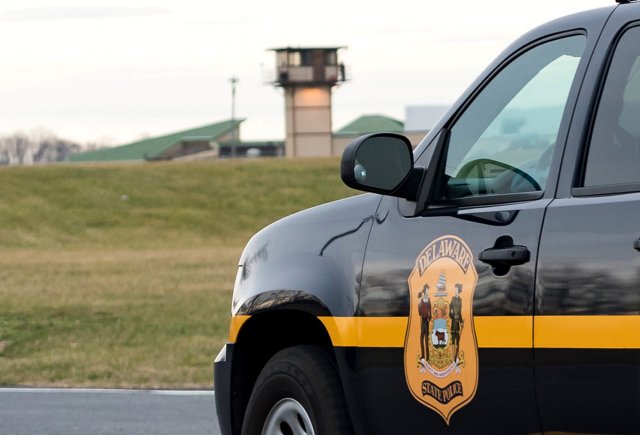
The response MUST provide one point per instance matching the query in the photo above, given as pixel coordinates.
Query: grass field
(121, 276)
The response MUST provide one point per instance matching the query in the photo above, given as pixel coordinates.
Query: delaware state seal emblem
(440, 348)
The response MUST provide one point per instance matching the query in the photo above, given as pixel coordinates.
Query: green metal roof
(371, 124)
(152, 147)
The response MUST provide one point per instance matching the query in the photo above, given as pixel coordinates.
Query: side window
(504, 140)
(614, 149)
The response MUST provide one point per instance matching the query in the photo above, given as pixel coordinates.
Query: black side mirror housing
(381, 163)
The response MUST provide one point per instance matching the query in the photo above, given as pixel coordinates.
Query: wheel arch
(262, 336)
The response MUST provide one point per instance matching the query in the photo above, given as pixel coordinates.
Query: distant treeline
(39, 146)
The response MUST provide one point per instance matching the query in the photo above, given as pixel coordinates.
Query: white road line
(109, 391)
(182, 392)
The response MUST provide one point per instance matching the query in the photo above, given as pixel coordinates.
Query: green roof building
(367, 124)
(171, 146)
(371, 124)
(221, 140)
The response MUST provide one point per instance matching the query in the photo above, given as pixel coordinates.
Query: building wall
(185, 148)
(308, 121)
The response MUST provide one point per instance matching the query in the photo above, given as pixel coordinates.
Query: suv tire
(297, 388)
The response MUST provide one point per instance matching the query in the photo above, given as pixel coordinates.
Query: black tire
(305, 379)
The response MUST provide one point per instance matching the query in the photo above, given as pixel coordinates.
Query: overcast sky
(115, 71)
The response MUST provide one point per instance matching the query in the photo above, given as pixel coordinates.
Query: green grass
(121, 276)
(150, 205)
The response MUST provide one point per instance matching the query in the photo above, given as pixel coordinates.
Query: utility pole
(234, 81)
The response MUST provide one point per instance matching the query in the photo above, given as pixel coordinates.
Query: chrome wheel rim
(288, 417)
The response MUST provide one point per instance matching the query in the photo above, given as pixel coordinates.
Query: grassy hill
(121, 275)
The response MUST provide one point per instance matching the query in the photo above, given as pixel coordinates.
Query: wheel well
(261, 337)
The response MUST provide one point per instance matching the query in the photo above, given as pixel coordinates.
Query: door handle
(636, 245)
(505, 257)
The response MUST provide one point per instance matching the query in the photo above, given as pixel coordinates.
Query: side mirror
(381, 163)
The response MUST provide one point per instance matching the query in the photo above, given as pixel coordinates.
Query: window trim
(606, 189)
(494, 199)
(579, 189)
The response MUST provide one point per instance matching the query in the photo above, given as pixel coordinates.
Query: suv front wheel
(297, 392)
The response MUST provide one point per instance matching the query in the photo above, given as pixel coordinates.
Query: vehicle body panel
(312, 258)
(588, 268)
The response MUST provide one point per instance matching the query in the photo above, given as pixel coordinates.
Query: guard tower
(307, 76)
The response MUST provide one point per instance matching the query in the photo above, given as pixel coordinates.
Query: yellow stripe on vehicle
(504, 331)
(366, 331)
(494, 331)
(587, 332)
(235, 326)
(511, 332)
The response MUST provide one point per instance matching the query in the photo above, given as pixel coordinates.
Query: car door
(456, 279)
(587, 324)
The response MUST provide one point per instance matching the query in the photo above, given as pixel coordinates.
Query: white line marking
(109, 391)
(182, 392)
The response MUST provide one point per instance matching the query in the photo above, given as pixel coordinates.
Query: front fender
(311, 260)
(315, 284)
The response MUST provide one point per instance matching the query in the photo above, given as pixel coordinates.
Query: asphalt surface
(68, 412)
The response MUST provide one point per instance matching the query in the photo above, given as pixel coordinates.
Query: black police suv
(490, 280)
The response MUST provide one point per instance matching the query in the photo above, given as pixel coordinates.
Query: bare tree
(17, 149)
(40, 146)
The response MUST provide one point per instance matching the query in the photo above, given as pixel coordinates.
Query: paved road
(69, 412)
